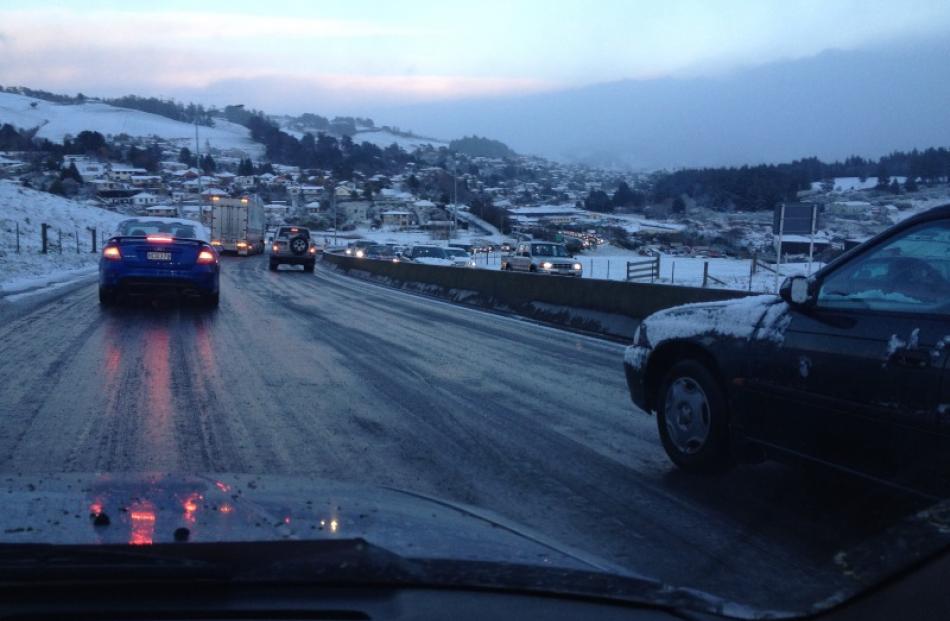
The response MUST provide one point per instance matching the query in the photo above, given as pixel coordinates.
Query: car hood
(540, 257)
(759, 316)
(402, 537)
(149, 508)
(433, 261)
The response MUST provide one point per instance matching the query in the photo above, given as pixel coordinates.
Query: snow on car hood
(433, 261)
(765, 316)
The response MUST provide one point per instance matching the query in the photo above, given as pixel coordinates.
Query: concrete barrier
(609, 307)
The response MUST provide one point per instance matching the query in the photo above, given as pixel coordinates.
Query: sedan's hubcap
(687, 415)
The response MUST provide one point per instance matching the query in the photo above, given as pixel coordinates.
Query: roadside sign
(799, 219)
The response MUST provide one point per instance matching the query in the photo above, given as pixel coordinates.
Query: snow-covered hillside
(383, 138)
(30, 209)
(57, 120)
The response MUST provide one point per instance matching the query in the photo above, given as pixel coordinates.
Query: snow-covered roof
(424, 203)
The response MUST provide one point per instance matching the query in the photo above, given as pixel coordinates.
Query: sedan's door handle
(914, 358)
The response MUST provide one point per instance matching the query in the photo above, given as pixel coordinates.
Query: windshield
(548, 250)
(431, 252)
(658, 291)
(176, 228)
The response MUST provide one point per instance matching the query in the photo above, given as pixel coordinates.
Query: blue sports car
(159, 255)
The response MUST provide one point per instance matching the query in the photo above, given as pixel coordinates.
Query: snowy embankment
(69, 221)
(611, 264)
(54, 121)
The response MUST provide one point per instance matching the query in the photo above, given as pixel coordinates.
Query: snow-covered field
(29, 209)
(382, 139)
(850, 184)
(57, 120)
(688, 271)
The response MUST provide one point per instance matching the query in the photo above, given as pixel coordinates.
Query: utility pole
(333, 206)
(198, 158)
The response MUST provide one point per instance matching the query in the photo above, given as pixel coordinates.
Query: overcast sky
(358, 55)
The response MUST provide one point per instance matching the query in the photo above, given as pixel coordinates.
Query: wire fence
(49, 239)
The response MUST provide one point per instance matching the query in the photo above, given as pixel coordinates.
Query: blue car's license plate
(159, 256)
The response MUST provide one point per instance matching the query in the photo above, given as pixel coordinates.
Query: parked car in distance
(159, 255)
(293, 245)
(459, 257)
(428, 255)
(358, 248)
(469, 248)
(379, 252)
(846, 368)
(542, 258)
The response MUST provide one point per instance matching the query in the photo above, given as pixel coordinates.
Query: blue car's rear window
(180, 230)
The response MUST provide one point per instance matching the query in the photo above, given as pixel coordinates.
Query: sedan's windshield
(431, 252)
(548, 250)
(455, 252)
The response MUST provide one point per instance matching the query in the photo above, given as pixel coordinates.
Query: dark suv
(847, 368)
(292, 245)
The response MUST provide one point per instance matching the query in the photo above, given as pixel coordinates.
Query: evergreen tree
(208, 164)
(679, 205)
(185, 157)
(911, 184)
(598, 200)
(895, 187)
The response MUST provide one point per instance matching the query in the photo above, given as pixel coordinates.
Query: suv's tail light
(313, 250)
(206, 256)
(111, 252)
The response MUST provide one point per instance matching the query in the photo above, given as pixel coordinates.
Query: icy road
(345, 380)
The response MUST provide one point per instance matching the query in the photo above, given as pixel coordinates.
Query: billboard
(798, 218)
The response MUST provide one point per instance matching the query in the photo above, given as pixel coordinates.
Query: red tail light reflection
(142, 515)
(162, 239)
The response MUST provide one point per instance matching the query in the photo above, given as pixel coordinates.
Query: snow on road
(27, 210)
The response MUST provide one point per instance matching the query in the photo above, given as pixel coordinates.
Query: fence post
(18, 238)
(705, 273)
(608, 269)
(60, 231)
(673, 274)
(76, 235)
(94, 233)
(44, 237)
(656, 272)
(752, 271)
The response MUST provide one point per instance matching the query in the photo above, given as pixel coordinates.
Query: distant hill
(481, 147)
(831, 105)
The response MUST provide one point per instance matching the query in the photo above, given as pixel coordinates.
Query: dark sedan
(847, 368)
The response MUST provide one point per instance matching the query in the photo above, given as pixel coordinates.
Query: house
(353, 211)
(398, 219)
(144, 199)
(116, 198)
(123, 173)
(162, 211)
(86, 166)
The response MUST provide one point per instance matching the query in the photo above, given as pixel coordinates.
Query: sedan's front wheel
(692, 418)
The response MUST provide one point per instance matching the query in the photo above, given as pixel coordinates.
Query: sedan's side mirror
(797, 291)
